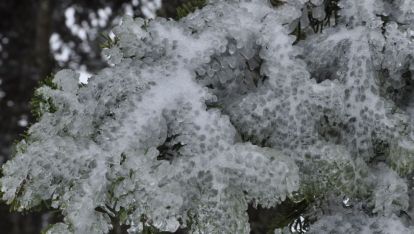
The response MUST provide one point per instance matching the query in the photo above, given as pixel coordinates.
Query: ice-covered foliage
(195, 119)
(358, 222)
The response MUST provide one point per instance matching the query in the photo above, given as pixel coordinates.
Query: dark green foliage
(266, 220)
(298, 33)
(190, 6)
(40, 104)
(211, 105)
(169, 149)
(276, 3)
(48, 81)
(118, 218)
(148, 228)
(108, 42)
(331, 11)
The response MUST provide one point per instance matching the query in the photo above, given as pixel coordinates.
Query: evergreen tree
(304, 104)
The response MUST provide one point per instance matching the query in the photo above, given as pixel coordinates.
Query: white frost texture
(196, 119)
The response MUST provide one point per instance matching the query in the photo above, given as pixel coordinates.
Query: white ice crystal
(195, 119)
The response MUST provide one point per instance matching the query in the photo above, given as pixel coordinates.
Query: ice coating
(197, 118)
